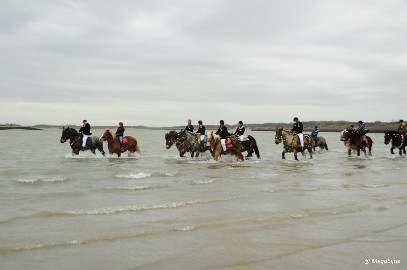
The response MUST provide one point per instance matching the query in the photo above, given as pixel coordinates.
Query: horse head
(170, 138)
(387, 137)
(279, 135)
(68, 134)
(345, 134)
(106, 136)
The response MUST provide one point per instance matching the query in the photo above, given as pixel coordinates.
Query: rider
(119, 134)
(201, 133)
(297, 129)
(85, 130)
(402, 126)
(314, 133)
(240, 131)
(361, 131)
(189, 127)
(223, 133)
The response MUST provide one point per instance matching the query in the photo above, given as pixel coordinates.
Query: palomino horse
(353, 141)
(291, 142)
(235, 147)
(321, 143)
(398, 140)
(113, 144)
(75, 140)
(185, 142)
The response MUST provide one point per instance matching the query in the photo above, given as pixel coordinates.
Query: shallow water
(160, 211)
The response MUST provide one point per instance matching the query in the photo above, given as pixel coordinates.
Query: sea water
(160, 211)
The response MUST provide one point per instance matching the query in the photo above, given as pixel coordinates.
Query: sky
(159, 63)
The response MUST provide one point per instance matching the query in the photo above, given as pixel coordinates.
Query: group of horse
(129, 143)
(191, 143)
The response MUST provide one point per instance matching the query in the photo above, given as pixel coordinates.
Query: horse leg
(283, 154)
(295, 155)
(391, 150)
(310, 153)
(349, 152)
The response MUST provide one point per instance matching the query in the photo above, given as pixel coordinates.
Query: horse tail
(256, 150)
(138, 149)
(326, 146)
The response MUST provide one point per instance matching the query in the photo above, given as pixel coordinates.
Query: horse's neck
(287, 138)
(73, 134)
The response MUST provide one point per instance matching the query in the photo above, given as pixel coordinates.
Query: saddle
(124, 140)
(364, 141)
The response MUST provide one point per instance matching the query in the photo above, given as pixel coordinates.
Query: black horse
(250, 146)
(398, 140)
(75, 140)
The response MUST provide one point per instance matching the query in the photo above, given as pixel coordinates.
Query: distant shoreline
(324, 126)
(18, 127)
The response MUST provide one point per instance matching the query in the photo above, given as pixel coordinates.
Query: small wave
(184, 228)
(36, 180)
(203, 182)
(74, 242)
(135, 208)
(132, 188)
(134, 175)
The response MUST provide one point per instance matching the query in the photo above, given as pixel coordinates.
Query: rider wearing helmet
(361, 131)
(297, 129)
(201, 133)
(223, 133)
(85, 130)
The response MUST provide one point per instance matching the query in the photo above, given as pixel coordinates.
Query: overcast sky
(158, 63)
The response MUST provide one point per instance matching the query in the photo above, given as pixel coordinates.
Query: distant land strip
(324, 126)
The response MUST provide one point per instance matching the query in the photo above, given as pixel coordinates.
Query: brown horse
(129, 143)
(292, 144)
(321, 143)
(353, 142)
(235, 147)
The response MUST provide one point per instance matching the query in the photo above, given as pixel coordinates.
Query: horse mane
(76, 133)
(111, 132)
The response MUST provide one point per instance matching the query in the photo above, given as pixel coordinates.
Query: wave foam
(35, 180)
(134, 175)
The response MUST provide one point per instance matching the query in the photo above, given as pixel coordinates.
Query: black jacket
(201, 129)
(297, 128)
(222, 132)
(190, 128)
(120, 131)
(85, 130)
(240, 131)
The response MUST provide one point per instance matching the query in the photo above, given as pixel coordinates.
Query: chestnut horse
(75, 140)
(398, 140)
(129, 143)
(292, 144)
(353, 141)
(235, 149)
